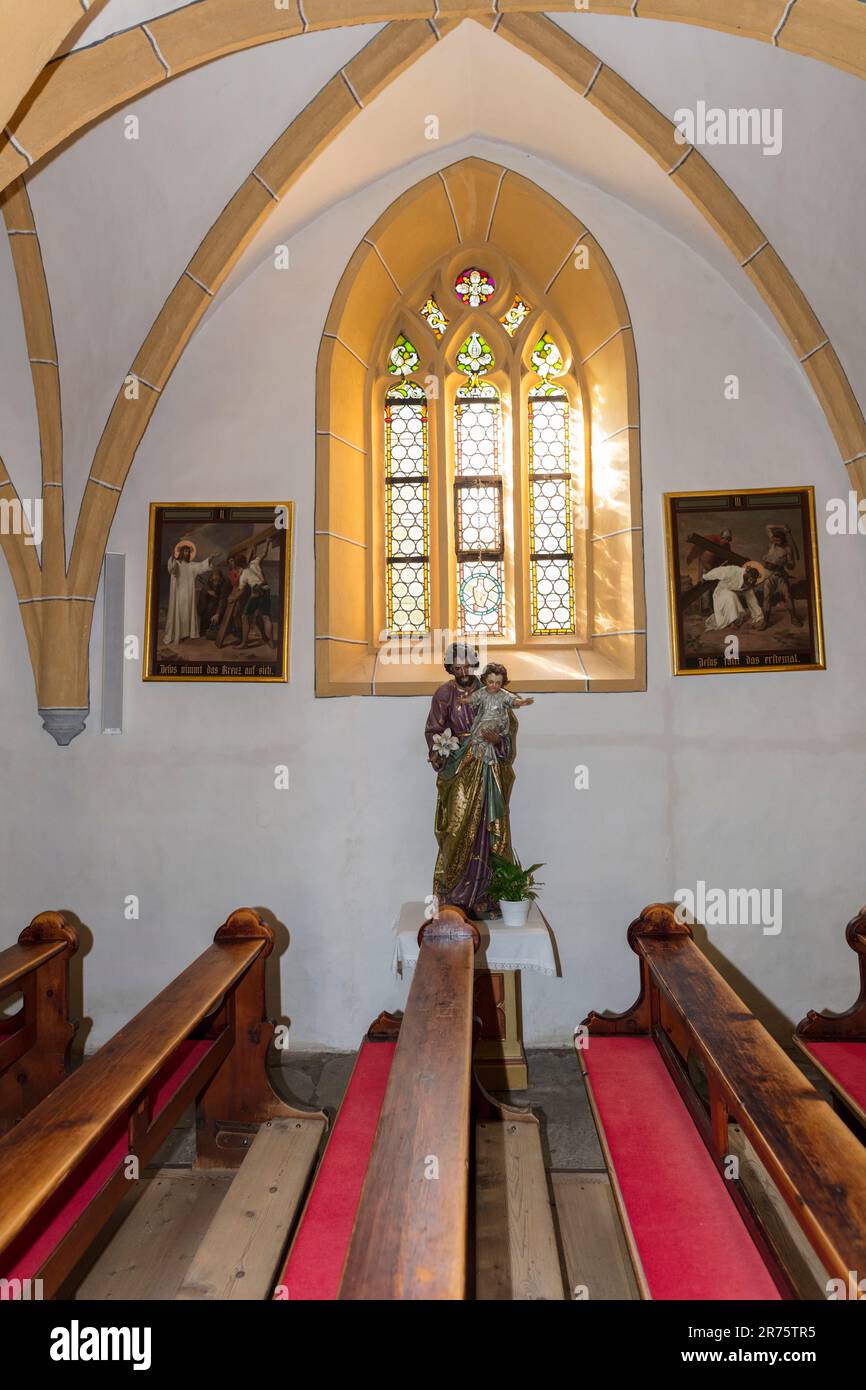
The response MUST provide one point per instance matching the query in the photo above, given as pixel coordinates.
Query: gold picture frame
(218, 597)
(767, 617)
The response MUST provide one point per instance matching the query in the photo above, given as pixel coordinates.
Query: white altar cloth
(502, 948)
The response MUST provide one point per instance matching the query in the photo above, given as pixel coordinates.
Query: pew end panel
(35, 1042)
(655, 921)
(836, 1043)
(240, 1096)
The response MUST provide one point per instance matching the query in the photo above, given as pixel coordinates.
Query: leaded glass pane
(548, 422)
(475, 357)
(551, 565)
(403, 358)
(546, 358)
(474, 286)
(434, 316)
(477, 427)
(407, 522)
(551, 532)
(479, 518)
(552, 596)
(481, 591)
(408, 597)
(515, 315)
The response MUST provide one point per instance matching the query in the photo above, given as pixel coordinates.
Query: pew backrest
(204, 1038)
(410, 1238)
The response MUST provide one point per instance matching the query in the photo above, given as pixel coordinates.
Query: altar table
(500, 1061)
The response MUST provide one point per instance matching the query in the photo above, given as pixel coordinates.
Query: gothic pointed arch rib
(30, 31)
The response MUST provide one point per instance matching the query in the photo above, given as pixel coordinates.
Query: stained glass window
(551, 559)
(475, 357)
(479, 539)
(403, 359)
(515, 315)
(546, 358)
(407, 504)
(433, 316)
(474, 286)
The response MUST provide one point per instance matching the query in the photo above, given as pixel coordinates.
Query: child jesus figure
(492, 702)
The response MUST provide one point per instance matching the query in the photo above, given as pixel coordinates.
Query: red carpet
(690, 1237)
(846, 1063)
(315, 1264)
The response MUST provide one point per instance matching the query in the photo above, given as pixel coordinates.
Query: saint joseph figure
(472, 795)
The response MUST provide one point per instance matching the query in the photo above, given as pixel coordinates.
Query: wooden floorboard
(241, 1252)
(516, 1254)
(596, 1254)
(150, 1251)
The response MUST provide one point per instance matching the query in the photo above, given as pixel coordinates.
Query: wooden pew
(392, 1209)
(836, 1043)
(68, 1164)
(35, 1041)
(694, 1230)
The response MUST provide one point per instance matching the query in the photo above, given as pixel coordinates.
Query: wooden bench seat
(689, 1236)
(67, 1166)
(35, 1041)
(690, 1054)
(836, 1043)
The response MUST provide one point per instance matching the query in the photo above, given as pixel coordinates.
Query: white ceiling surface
(810, 199)
(119, 219)
(477, 84)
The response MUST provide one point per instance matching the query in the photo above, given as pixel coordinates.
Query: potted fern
(513, 887)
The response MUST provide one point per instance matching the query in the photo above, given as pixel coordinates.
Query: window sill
(613, 663)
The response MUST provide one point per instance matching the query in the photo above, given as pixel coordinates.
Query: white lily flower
(445, 743)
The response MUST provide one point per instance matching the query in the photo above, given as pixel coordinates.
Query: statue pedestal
(500, 1060)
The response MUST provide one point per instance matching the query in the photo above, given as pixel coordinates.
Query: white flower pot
(515, 914)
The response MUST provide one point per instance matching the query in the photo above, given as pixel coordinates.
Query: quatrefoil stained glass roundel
(474, 286)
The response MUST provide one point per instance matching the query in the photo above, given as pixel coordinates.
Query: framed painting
(743, 581)
(218, 591)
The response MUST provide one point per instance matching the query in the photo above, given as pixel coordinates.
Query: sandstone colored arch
(30, 31)
(477, 205)
(58, 626)
(80, 87)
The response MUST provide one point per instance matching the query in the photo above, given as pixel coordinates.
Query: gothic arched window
(500, 483)
(478, 448)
